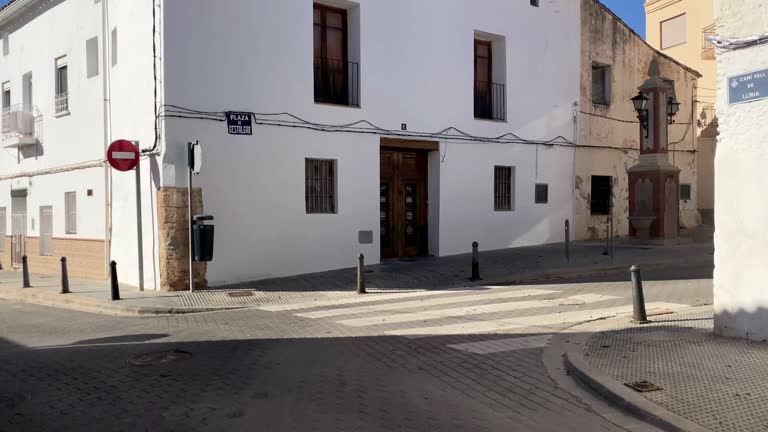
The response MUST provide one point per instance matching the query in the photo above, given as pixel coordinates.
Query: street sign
(748, 87)
(123, 155)
(239, 123)
(195, 157)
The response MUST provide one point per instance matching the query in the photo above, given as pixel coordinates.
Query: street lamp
(640, 103)
(673, 106)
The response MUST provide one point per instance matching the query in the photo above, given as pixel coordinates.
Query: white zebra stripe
(504, 345)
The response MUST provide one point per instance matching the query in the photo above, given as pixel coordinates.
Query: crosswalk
(492, 314)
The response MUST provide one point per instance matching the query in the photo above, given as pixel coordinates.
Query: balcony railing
(61, 102)
(708, 117)
(337, 82)
(21, 126)
(490, 101)
(707, 47)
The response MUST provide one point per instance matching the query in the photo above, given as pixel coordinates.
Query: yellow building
(677, 28)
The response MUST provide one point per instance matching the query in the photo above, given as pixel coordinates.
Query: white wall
(416, 61)
(741, 240)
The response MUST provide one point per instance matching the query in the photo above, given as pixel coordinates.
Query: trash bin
(202, 238)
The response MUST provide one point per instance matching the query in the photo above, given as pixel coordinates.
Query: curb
(66, 301)
(609, 390)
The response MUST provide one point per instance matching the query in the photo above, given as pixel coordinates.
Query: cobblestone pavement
(447, 360)
(719, 383)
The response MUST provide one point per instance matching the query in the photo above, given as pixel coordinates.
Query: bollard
(113, 281)
(64, 276)
(361, 274)
(567, 240)
(25, 272)
(475, 263)
(638, 300)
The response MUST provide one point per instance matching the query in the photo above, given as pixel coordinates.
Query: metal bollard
(64, 276)
(638, 300)
(361, 274)
(567, 240)
(113, 281)
(25, 272)
(475, 263)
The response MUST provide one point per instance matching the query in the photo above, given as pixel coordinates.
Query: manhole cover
(643, 386)
(240, 294)
(11, 401)
(159, 357)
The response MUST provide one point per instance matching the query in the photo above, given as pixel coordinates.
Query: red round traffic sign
(123, 155)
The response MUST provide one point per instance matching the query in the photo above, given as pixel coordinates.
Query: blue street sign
(748, 87)
(239, 123)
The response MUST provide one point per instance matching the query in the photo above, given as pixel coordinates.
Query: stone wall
(173, 221)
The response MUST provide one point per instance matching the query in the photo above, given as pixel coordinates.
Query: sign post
(194, 163)
(123, 155)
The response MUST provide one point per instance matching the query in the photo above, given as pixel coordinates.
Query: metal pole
(25, 272)
(139, 233)
(638, 300)
(189, 208)
(115, 288)
(361, 274)
(568, 240)
(64, 276)
(475, 262)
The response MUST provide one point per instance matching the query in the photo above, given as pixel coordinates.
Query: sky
(631, 11)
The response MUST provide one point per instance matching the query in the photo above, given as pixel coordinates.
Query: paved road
(382, 362)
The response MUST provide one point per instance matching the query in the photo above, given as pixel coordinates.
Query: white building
(391, 129)
(741, 243)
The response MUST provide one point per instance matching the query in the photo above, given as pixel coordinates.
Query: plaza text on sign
(748, 87)
(239, 123)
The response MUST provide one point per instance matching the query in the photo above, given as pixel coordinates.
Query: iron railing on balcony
(707, 47)
(61, 103)
(18, 122)
(708, 117)
(490, 101)
(337, 82)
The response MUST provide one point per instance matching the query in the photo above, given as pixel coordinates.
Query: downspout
(107, 110)
(574, 192)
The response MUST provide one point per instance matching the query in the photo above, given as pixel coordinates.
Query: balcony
(708, 117)
(707, 47)
(21, 127)
(490, 101)
(337, 82)
(61, 104)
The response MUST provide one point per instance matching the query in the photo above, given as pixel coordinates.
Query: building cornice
(652, 6)
(13, 8)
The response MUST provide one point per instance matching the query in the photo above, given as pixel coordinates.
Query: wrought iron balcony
(21, 127)
(708, 117)
(490, 101)
(61, 102)
(707, 47)
(337, 82)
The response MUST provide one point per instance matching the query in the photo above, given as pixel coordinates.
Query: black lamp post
(673, 106)
(640, 103)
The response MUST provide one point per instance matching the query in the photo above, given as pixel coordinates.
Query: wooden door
(403, 203)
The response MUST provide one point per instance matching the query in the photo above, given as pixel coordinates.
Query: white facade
(416, 68)
(741, 301)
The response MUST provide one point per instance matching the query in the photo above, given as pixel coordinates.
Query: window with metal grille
(601, 84)
(600, 200)
(70, 211)
(46, 230)
(62, 86)
(503, 188)
(320, 185)
(3, 228)
(685, 192)
(542, 193)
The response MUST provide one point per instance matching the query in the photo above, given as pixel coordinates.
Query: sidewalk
(501, 267)
(708, 383)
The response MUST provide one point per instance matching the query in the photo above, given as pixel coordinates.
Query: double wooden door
(403, 203)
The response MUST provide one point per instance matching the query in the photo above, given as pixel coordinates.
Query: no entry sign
(123, 155)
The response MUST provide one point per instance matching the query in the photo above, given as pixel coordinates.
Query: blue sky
(631, 11)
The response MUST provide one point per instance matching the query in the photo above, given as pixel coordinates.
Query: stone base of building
(173, 221)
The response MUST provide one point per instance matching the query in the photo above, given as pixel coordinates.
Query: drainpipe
(107, 110)
(573, 166)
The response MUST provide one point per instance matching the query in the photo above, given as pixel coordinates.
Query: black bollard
(475, 263)
(25, 272)
(638, 300)
(361, 274)
(113, 281)
(64, 276)
(567, 240)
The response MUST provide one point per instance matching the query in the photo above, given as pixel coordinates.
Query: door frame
(18, 226)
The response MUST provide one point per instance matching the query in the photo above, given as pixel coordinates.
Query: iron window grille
(503, 190)
(320, 185)
(707, 47)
